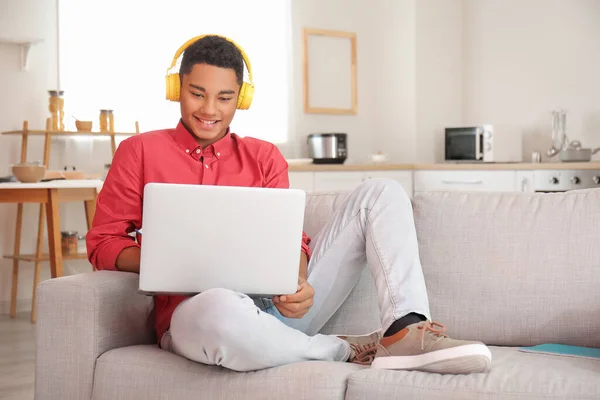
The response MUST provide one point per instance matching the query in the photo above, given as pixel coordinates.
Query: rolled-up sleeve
(118, 208)
(276, 174)
(304, 246)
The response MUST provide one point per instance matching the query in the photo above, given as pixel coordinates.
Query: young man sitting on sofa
(374, 226)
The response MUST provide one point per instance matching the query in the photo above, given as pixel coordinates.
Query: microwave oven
(470, 144)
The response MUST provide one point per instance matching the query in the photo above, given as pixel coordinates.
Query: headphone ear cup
(245, 97)
(173, 87)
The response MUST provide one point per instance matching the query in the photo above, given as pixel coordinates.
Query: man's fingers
(297, 315)
(287, 297)
(289, 307)
(290, 314)
(294, 310)
(296, 307)
(305, 293)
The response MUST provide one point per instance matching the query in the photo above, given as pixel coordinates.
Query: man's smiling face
(208, 101)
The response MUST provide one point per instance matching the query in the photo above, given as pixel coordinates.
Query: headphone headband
(192, 40)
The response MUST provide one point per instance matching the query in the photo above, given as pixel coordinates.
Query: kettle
(327, 148)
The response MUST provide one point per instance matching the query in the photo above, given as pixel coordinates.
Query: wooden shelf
(68, 133)
(19, 41)
(25, 45)
(31, 257)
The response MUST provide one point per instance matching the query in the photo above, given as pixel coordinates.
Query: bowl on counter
(379, 158)
(29, 172)
(83, 126)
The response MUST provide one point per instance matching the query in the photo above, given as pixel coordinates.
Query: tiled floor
(17, 357)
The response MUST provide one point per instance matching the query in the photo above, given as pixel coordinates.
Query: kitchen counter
(57, 184)
(445, 167)
(349, 167)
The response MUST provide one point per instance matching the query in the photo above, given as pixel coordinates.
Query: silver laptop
(198, 237)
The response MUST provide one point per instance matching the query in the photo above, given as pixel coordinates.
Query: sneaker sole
(466, 359)
(378, 332)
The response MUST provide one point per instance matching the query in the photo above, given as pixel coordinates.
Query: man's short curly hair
(213, 50)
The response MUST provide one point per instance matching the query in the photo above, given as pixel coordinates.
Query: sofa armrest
(81, 317)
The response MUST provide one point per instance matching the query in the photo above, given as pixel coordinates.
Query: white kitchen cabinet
(525, 182)
(302, 180)
(481, 181)
(348, 180)
(338, 181)
(405, 178)
(418, 180)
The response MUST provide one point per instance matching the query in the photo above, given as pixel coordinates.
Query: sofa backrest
(506, 268)
(360, 313)
(513, 268)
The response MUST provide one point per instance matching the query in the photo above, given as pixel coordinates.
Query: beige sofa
(508, 269)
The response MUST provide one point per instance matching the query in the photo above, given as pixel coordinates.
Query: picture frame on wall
(330, 72)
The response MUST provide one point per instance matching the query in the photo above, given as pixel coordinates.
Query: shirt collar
(186, 141)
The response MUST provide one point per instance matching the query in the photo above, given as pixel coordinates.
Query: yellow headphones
(174, 84)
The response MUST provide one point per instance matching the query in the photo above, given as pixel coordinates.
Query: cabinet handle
(462, 182)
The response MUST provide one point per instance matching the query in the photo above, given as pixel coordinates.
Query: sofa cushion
(359, 314)
(513, 375)
(146, 372)
(513, 268)
(320, 208)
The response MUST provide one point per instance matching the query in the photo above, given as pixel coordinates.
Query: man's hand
(296, 305)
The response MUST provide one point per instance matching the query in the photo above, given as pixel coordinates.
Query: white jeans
(373, 227)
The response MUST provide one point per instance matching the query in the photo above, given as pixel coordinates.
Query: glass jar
(69, 242)
(81, 245)
(107, 121)
(56, 105)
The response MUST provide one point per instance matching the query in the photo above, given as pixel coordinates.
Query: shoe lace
(363, 354)
(433, 328)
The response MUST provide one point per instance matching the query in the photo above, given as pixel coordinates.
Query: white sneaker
(424, 346)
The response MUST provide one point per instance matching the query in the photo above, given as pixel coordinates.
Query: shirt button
(218, 154)
(198, 151)
(207, 166)
(187, 150)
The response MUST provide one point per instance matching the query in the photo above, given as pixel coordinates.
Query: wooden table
(48, 195)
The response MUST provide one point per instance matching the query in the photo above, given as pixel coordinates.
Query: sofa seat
(146, 372)
(514, 375)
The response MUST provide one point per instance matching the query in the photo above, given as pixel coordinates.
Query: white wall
(385, 121)
(526, 58)
(395, 92)
(509, 63)
(439, 66)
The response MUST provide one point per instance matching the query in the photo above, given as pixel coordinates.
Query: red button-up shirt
(173, 156)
